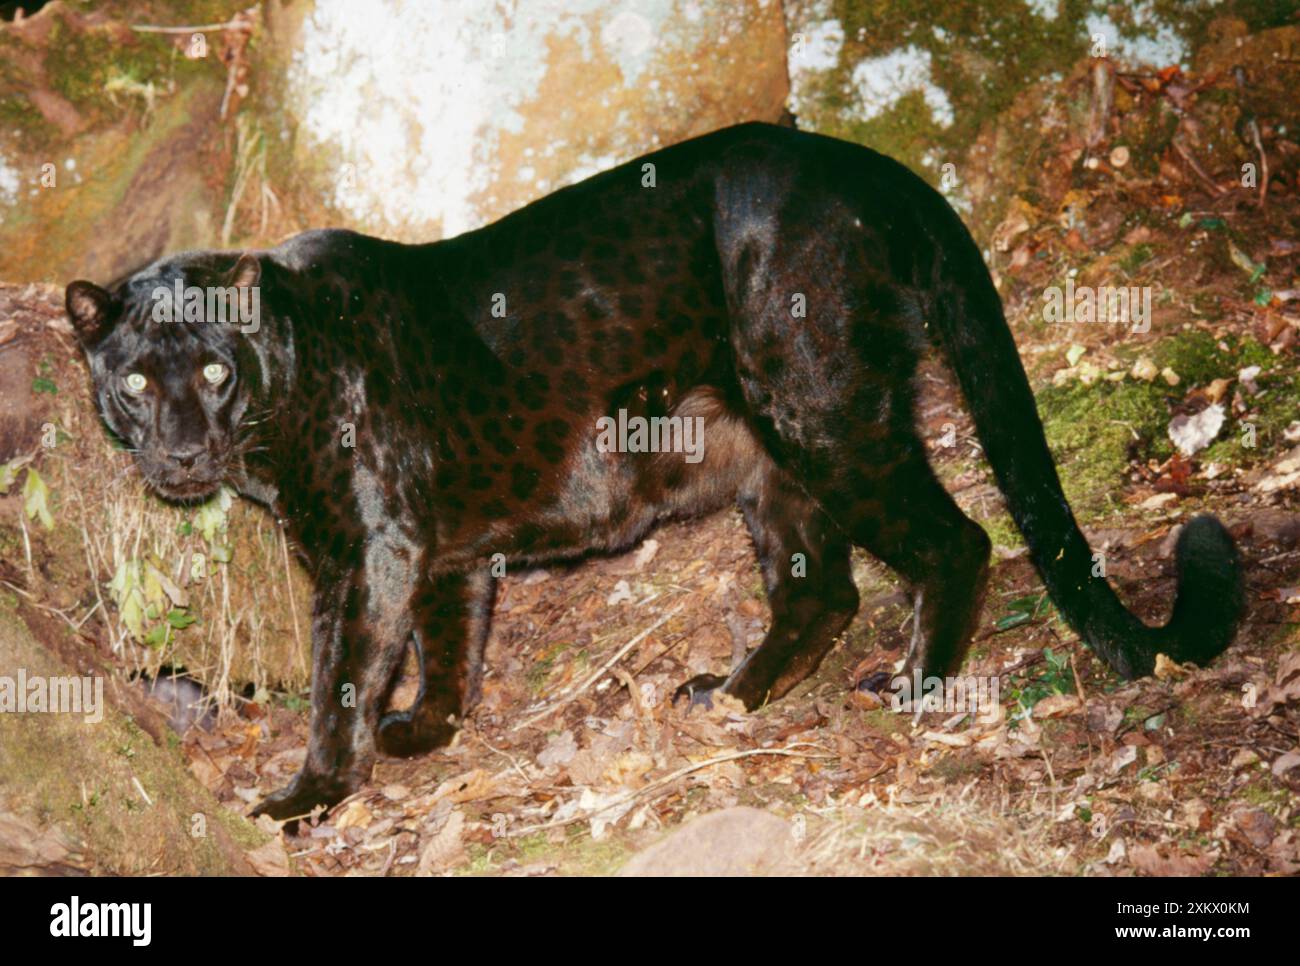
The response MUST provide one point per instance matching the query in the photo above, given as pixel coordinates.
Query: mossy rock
(112, 149)
(101, 797)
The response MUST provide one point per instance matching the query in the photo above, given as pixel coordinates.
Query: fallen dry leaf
(1103, 717)
(355, 814)
(645, 554)
(560, 749)
(203, 768)
(1167, 668)
(1283, 475)
(1057, 706)
(1144, 369)
(1192, 433)
(1243, 759)
(953, 741)
(469, 787)
(1217, 389)
(1286, 765)
(1148, 860)
(446, 849)
(270, 859)
(1198, 815)
(1257, 825)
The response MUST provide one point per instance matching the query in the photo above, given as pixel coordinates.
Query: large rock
(86, 796)
(410, 120)
(419, 121)
(112, 149)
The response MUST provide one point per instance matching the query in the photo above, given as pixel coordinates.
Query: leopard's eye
(136, 382)
(215, 373)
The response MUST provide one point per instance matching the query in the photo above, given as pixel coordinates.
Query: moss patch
(1094, 430)
(88, 779)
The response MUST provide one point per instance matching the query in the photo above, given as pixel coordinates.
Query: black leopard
(410, 411)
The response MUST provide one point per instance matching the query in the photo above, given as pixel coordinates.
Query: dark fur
(475, 435)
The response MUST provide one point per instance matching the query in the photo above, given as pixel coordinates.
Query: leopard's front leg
(360, 627)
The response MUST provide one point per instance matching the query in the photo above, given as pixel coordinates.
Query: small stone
(1158, 501)
(1244, 759)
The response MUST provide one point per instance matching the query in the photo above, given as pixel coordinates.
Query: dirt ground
(576, 760)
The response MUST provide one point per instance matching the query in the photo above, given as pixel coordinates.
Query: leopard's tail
(967, 313)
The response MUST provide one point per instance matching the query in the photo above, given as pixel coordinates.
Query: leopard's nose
(186, 457)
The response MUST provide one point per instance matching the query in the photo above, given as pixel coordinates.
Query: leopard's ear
(89, 308)
(246, 273)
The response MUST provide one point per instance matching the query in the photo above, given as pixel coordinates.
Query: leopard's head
(173, 367)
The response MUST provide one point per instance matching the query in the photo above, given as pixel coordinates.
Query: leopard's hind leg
(906, 519)
(829, 392)
(860, 457)
(805, 563)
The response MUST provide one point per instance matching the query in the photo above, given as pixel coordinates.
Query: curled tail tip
(1205, 535)
(1211, 592)
(1208, 604)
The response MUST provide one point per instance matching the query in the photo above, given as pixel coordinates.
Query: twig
(45, 607)
(243, 169)
(1051, 775)
(1029, 661)
(90, 563)
(600, 672)
(638, 708)
(514, 763)
(18, 590)
(27, 547)
(1263, 163)
(1239, 75)
(293, 606)
(1195, 165)
(666, 649)
(145, 28)
(77, 626)
(392, 854)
